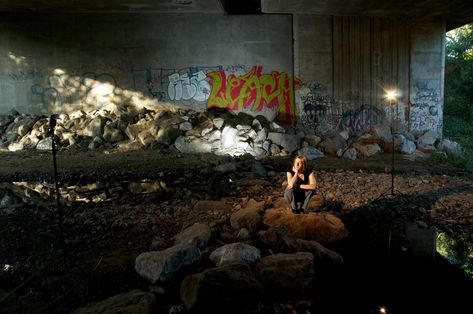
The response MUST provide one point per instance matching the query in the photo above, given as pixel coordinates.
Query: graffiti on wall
(357, 120)
(183, 87)
(425, 109)
(174, 85)
(24, 75)
(233, 88)
(254, 91)
(153, 82)
(322, 112)
(89, 88)
(314, 105)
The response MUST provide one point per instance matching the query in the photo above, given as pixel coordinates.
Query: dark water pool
(396, 268)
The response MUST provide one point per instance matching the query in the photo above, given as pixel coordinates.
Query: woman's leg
(307, 195)
(289, 197)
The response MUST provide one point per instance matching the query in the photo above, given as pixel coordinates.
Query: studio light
(391, 95)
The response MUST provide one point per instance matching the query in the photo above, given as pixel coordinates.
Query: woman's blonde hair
(304, 162)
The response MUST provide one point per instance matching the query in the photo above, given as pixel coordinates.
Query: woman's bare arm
(312, 183)
(291, 179)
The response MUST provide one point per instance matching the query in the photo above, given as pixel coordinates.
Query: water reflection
(457, 249)
(391, 267)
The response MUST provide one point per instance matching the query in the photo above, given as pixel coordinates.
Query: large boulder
(324, 228)
(192, 145)
(407, 147)
(285, 275)
(95, 127)
(332, 144)
(310, 153)
(429, 138)
(290, 142)
(235, 252)
(320, 252)
(450, 147)
(197, 234)
(230, 288)
(316, 202)
(112, 134)
(249, 218)
(278, 240)
(367, 150)
(168, 135)
(161, 265)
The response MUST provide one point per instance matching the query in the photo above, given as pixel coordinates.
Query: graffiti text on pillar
(255, 91)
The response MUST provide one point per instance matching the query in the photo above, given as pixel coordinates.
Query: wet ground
(123, 201)
(38, 164)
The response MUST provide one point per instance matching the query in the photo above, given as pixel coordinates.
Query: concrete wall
(427, 75)
(342, 65)
(346, 65)
(313, 55)
(64, 62)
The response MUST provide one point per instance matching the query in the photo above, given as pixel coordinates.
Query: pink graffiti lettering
(255, 91)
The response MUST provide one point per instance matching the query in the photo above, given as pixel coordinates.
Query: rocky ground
(119, 204)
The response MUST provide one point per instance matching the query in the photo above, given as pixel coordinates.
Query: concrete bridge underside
(54, 54)
(455, 12)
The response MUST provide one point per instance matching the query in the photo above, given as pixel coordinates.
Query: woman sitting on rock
(300, 185)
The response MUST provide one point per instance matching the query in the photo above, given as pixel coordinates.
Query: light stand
(60, 215)
(52, 126)
(392, 145)
(391, 96)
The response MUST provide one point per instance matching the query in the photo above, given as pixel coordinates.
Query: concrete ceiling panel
(455, 12)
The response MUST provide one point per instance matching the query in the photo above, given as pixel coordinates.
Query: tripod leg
(58, 203)
(60, 213)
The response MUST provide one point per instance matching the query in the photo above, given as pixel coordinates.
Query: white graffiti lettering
(181, 87)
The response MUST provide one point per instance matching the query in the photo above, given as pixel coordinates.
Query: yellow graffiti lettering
(274, 90)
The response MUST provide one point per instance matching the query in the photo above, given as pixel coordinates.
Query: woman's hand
(291, 179)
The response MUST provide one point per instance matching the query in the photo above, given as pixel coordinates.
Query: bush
(452, 160)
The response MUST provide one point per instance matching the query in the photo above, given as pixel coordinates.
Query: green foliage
(459, 72)
(459, 130)
(459, 43)
(458, 114)
(458, 250)
(458, 126)
(463, 161)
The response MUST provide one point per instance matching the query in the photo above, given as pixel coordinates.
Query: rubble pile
(206, 132)
(272, 264)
